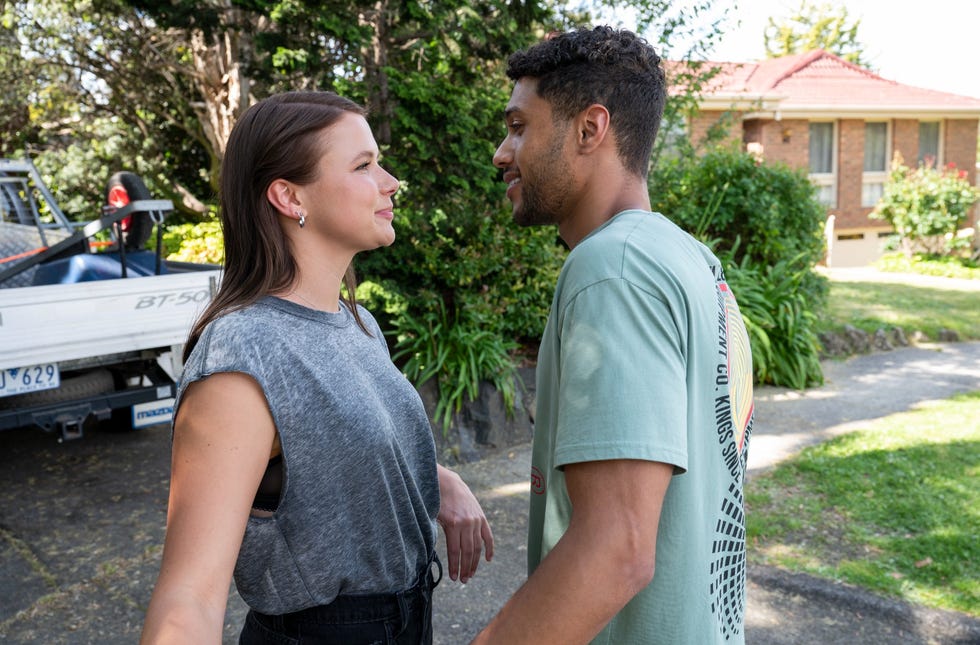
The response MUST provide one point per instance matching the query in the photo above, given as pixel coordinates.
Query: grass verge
(873, 305)
(947, 267)
(894, 508)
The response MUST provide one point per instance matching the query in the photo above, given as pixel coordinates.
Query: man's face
(532, 156)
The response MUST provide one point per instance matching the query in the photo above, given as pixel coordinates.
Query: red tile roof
(819, 81)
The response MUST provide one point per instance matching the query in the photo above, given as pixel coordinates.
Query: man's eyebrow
(510, 110)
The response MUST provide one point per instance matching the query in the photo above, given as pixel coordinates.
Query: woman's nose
(391, 184)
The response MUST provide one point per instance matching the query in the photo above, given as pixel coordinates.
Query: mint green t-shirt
(645, 356)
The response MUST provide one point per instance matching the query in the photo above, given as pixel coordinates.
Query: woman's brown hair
(274, 139)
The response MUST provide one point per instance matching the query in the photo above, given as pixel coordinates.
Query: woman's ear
(282, 195)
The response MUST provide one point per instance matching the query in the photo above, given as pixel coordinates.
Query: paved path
(81, 523)
(857, 390)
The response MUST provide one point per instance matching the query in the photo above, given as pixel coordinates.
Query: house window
(875, 162)
(929, 143)
(823, 159)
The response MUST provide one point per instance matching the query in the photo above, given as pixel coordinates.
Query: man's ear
(282, 195)
(592, 127)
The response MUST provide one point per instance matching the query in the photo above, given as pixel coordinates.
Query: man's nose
(502, 157)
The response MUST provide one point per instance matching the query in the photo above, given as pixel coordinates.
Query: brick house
(844, 124)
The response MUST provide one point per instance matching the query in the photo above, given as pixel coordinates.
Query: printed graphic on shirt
(734, 370)
(728, 564)
(733, 416)
(537, 481)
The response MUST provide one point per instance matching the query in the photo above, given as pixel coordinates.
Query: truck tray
(54, 323)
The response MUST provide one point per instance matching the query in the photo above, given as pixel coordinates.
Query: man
(644, 377)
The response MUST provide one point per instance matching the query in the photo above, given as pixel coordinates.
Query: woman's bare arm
(223, 435)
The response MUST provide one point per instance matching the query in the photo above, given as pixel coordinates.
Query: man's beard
(543, 199)
(534, 210)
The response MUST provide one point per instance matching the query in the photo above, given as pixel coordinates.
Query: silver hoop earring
(302, 218)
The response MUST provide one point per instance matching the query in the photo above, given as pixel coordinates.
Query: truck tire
(123, 188)
(81, 386)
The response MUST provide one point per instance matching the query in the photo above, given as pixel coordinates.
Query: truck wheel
(76, 387)
(123, 188)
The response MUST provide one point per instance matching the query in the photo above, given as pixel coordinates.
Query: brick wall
(850, 168)
(699, 125)
(905, 139)
(787, 141)
(960, 146)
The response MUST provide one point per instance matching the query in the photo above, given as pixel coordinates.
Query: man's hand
(466, 527)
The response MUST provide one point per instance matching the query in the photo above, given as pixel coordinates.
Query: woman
(303, 460)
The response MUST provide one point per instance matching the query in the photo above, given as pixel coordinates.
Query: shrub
(926, 206)
(765, 225)
(477, 278)
(779, 319)
(201, 242)
(765, 211)
(458, 259)
(460, 349)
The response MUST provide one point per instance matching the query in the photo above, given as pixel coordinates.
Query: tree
(166, 81)
(17, 87)
(812, 26)
(102, 72)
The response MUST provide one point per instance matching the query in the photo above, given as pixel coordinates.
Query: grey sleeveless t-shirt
(360, 491)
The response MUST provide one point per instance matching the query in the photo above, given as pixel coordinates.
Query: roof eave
(740, 102)
(762, 105)
(865, 111)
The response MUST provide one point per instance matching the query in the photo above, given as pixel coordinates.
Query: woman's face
(350, 202)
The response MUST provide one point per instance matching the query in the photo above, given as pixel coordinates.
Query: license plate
(31, 378)
(152, 413)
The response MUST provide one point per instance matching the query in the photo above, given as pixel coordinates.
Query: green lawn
(894, 508)
(872, 305)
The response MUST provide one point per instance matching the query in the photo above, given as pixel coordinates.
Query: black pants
(403, 618)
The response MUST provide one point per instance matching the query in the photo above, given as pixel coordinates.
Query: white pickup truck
(89, 334)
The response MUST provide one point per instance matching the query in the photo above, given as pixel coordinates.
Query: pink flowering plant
(926, 206)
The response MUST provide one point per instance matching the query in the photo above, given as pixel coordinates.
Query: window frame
(877, 178)
(823, 180)
(940, 152)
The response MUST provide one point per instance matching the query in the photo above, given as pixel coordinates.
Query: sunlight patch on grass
(873, 305)
(894, 507)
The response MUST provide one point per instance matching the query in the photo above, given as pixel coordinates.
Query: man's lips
(513, 179)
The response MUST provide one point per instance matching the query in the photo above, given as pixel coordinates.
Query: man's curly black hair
(615, 68)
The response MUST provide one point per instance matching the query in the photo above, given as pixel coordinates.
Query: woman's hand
(466, 527)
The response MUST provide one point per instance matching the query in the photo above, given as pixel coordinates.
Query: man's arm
(605, 557)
